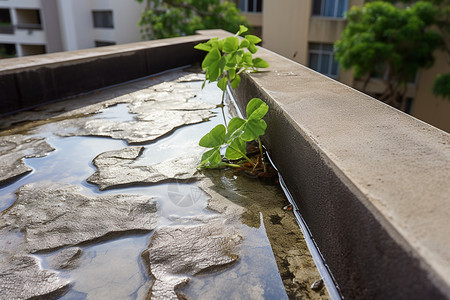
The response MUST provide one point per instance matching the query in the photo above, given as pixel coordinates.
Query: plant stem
(262, 157)
(243, 155)
(221, 107)
(233, 165)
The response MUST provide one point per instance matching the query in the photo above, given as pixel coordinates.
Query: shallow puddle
(272, 252)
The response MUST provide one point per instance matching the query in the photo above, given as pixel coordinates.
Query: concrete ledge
(372, 183)
(34, 80)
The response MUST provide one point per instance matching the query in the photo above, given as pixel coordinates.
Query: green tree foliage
(171, 18)
(441, 85)
(393, 42)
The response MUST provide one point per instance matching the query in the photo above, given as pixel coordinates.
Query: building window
(5, 22)
(7, 50)
(330, 8)
(103, 43)
(28, 19)
(103, 19)
(321, 59)
(250, 6)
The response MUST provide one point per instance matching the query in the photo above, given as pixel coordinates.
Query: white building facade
(29, 27)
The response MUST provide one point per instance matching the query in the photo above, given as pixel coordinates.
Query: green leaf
(211, 64)
(213, 138)
(244, 43)
(232, 59)
(211, 158)
(232, 73)
(222, 83)
(233, 128)
(247, 59)
(236, 81)
(256, 109)
(236, 149)
(252, 48)
(253, 129)
(242, 29)
(203, 47)
(230, 44)
(260, 63)
(253, 39)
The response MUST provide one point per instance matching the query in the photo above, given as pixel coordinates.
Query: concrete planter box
(371, 182)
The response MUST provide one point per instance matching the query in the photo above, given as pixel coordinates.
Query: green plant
(225, 61)
(228, 58)
(234, 138)
(171, 18)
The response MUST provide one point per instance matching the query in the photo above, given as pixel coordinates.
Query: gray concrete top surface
(398, 165)
(13, 65)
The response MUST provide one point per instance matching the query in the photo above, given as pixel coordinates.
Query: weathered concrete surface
(52, 217)
(120, 168)
(81, 71)
(176, 252)
(22, 278)
(295, 264)
(65, 259)
(13, 149)
(159, 110)
(370, 181)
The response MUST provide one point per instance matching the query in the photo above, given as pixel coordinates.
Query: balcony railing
(6, 29)
(29, 26)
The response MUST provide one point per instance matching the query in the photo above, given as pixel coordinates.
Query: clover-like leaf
(211, 64)
(247, 59)
(230, 44)
(222, 83)
(260, 63)
(253, 39)
(236, 81)
(244, 43)
(236, 149)
(234, 124)
(203, 47)
(252, 129)
(256, 109)
(242, 29)
(211, 158)
(252, 48)
(213, 138)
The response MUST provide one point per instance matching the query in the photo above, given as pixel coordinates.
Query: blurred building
(305, 31)
(29, 27)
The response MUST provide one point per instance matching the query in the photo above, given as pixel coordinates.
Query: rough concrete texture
(22, 278)
(52, 217)
(159, 110)
(295, 264)
(65, 259)
(120, 168)
(371, 182)
(13, 149)
(176, 252)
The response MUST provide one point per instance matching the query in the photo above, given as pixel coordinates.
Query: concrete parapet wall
(372, 183)
(29, 81)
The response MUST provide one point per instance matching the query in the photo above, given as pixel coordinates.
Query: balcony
(370, 182)
(6, 29)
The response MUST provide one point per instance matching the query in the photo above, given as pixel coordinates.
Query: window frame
(323, 7)
(244, 6)
(106, 21)
(321, 52)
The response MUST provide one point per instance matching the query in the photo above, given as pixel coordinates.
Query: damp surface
(263, 255)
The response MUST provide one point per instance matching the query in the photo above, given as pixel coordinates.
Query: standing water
(100, 199)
